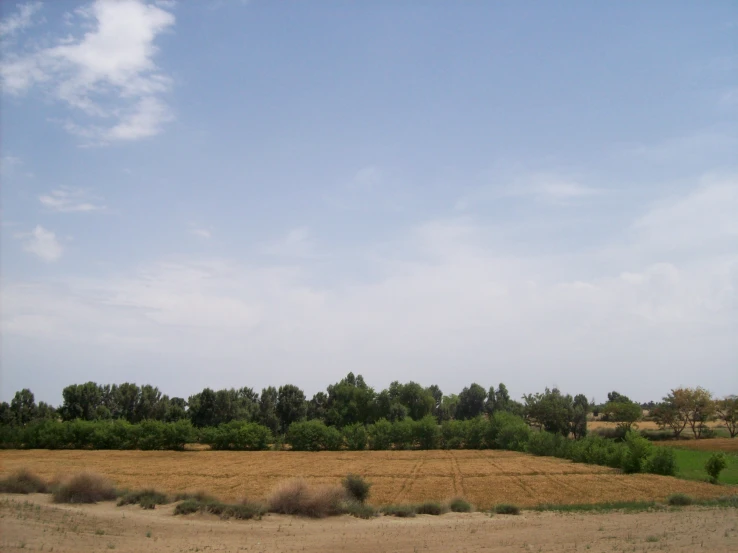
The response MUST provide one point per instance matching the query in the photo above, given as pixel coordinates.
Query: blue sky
(235, 193)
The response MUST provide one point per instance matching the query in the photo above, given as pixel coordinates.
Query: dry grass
(297, 497)
(485, 478)
(647, 425)
(84, 488)
(23, 481)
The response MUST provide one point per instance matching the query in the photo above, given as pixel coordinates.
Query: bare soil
(33, 523)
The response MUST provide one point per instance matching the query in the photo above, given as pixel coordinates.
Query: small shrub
(188, 506)
(680, 499)
(295, 497)
(359, 510)
(507, 509)
(245, 510)
(639, 450)
(402, 511)
(147, 498)
(84, 488)
(431, 508)
(356, 487)
(715, 465)
(200, 496)
(459, 505)
(23, 481)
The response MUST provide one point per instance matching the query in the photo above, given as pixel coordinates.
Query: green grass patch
(627, 506)
(691, 466)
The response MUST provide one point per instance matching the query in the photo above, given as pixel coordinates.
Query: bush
(84, 488)
(663, 462)
(147, 498)
(355, 436)
(313, 435)
(680, 499)
(245, 510)
(295, 497)
(431, 508)
(507, 509)
(380, 435)
(510, 431)
(452, 434)
(476, 431)
(459, 505)
(188, 506)
(356, 488)
(639, 450)
(237, 435)
(23, 481)
(715, 465)
(402, 511)
(427, 433)
(402, 433)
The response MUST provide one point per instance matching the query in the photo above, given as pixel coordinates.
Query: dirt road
(34, 524)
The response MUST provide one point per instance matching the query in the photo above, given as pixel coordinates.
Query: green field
(691, 466)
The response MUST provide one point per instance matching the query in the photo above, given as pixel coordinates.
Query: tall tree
(471, 402)
(268, 409)
(349, 401)
(727, 412)
(291, 405)
(81, 401)
(23, 407)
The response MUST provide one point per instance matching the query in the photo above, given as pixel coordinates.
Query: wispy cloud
(20, 20)
(296, 244)
(108, 73)
(201, 232)
(42, 243)
(68, 200)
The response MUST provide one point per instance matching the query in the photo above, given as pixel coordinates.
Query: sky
(236, 193)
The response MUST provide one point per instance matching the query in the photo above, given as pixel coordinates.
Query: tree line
(352, 402)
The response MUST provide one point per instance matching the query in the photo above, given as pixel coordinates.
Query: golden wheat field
(485, 478)
(647, 425)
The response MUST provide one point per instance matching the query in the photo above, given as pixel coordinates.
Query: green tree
(349, 401)
(418, 400)
(291, 405)
(268, 409)
(81, 401)
(318, 407)
(23, 407)
(727, 412)
(551, 410)
(471, 402)
(626, 414)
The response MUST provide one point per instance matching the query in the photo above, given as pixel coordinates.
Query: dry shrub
(296, 497)
(84, 488)
(147, 499)
(23, 481)
(431, 508)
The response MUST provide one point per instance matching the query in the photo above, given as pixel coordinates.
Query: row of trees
(502, 430)
(351, 401)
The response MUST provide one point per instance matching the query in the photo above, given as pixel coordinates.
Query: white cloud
(67, 199)
(439, 305)
(108, 73)
(20, 20)
(42, 243)
(552, 188)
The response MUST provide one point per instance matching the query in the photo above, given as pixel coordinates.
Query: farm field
(691, 465)
(34, 524)
(484, 477)
(650, 425)
(728, 445)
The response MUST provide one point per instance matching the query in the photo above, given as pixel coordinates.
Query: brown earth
(729, 445)
(34, 524)
(485, 478)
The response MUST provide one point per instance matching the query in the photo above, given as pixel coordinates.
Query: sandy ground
(32, 523)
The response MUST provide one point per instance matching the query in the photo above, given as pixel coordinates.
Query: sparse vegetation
(431, 508)
(679, 500)
(402, 511)
(147, 498)
(459, 505)
(84, 488)
(506, 509)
